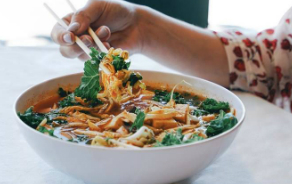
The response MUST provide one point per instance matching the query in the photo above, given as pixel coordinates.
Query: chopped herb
(212, 106)
(139, 121)
(195, 138)
(68, 101)
(119, 63)
(44, 130)
(90, 86)
(62, 92)
(82, 138)
(176, 138)
(96, 56)
(222, 123)
(200, 112)
(164, 97)
(31, 118)
(134, 77)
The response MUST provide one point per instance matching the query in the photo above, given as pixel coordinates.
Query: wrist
(146, 22)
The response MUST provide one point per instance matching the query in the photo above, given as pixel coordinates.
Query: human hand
(116, 23)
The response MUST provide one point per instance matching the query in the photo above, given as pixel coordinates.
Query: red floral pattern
(239, 65)
(247, 42)
(261, 63)
(224, 41)
(286, 92)
(285, 44)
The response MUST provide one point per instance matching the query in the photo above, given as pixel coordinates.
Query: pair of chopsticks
(77, 39)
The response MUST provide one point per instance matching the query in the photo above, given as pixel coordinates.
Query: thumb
(82, 18)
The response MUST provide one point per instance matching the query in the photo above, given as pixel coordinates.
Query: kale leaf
(62, 92)
(176, 138)
(31, 118)
(222, 123)
(90, 86)
(212, 106)
(134, 77)
(200, 112)
(119, 63)
(164, 97)
(96, 56)
(44, 130)
(68, 101)
(139, 121)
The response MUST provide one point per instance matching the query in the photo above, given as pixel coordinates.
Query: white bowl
(114, 165)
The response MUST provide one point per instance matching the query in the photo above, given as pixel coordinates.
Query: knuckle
(81, 14)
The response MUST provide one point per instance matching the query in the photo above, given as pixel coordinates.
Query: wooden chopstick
(62, 23)
(91, 32)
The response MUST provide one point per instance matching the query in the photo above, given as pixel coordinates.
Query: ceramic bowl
(125, 166)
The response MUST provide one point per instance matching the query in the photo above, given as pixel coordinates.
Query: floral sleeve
(261, 63)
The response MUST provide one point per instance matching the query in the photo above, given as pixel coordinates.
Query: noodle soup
(114, 108)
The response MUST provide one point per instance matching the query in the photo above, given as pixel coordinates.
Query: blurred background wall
(27, 23)
(191, 11)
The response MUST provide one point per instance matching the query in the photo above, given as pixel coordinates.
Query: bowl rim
(240, 121)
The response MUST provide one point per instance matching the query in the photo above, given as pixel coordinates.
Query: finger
(74, 51)
(107, 45)
(103, 33)
(60, 35)
(82, 18)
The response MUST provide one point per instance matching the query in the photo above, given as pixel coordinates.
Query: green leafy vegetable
(139, 121)
(62, 92)
(134, 77)
(222, 123)
(164, 97)
(119, 63)
(176, 138)
(82, 138)
(96, 56)
(68, 101)
(31, 118)
(90, 86)
(195, 138)
(212, 106)
(200, 112)
(44, 130)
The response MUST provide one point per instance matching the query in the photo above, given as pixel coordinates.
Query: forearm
(185, 47)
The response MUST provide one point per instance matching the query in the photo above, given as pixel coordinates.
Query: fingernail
(74, 26)
(102, 33)
(67, 38)
(86, 41)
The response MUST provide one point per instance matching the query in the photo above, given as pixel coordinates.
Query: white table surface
(261, 152)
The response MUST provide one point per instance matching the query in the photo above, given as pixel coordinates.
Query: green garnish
(222, 123)
(62, 92)
(44, 130)
(119, 63)
(212, 106)
(176, 138)
(68, 101)
(134, 77)
(90, 86)
(31, 118)
(200, 112)
(164, 97)
(139, 121)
